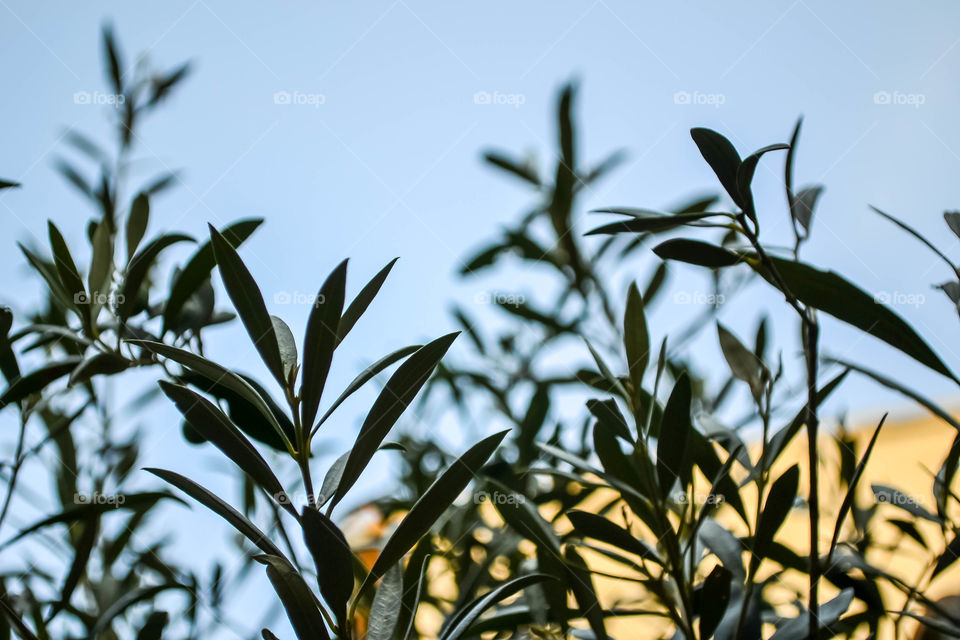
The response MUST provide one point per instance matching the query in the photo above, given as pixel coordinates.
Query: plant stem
(812, 336)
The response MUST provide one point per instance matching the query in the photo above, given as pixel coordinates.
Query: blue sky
(377, 153)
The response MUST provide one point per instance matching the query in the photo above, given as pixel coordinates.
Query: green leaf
(137, 222)
(288, 349)
(608, 415)
(848, 499)
(804, 204)
(320, 341)
(128, 600)
(6, 184)
(431, 505)
(365, 376)
(112, 54)
(214, 426)
(636, 342)
(722, 157)
(714, 598)
(221, 375)
(297, 599)
(248, 301)
(36, 381)
(362, 301)
(69, 274)
(832, 294)
(948, 557)
(106, 363)
(828, 614)
(385, 610)
(591, 525)
(101, 268)
(916, 234)
(198, 268)
(394, 398)
(745, 177)
(211, 501)
(778, 504)
(460, 624)
(525, 172)
(333, 559)
(648, 221)
(581, 583)
(672, 443)
(702, 254)
(137, 270)
(83, 547)
(743, 363)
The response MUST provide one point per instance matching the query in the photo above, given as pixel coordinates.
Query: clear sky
(377, 153)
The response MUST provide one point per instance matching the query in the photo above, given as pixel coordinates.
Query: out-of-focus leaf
(19, 626)
(642, 221)
(9, 367)
(385, 610)
(36, 381)
(744, 363)
(581, 583)
(7, 184)
(607, 413)
(137, 270)
(106, 363)
(153, 628)
(297, 599)
(636, 341)
(525, 172)
(69, 274)
(674, 427)
(198, 268)
(852, 487)
(248, 301)
(778, 504)
(714, 598)
(114, 61)
(221, 508)
(137, 221)
(78, 568)
(320, 341)
(696, 252)
(948, 557)
(834, 295)
(828, 614)
(128, 600)
(333, 558)
(591, 525)
(396, 396)
(431, 505)
(101, 269)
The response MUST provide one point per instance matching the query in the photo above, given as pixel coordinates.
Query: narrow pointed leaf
(137, 221)
(138, 268)
(702, 254)
(777, 506)
(320, 341)
(385, 610)
(636, 342)
(333, 559)
(297, 599)
(675, 425)
(461, 624)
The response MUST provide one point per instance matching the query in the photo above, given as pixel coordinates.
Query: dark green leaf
(137, 270)
(333, 558)
(297, 599)
(722, 157)
(36, 381)
(636, 341)
(207, 419)
(461, 623)
(832, 294)
(248, 301)
(696, 252)
(714, 598)
(523, 171)
(647, 222)
(320, 341)
(288, 349)
(69, 274)
(106, 363)
(431, 505)
(221, 508)
(394, 398)
(591, 525)
(137, 221)
(745, 177)
(852, 487)
(198, 268)
(778, 504)
(673, 435)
